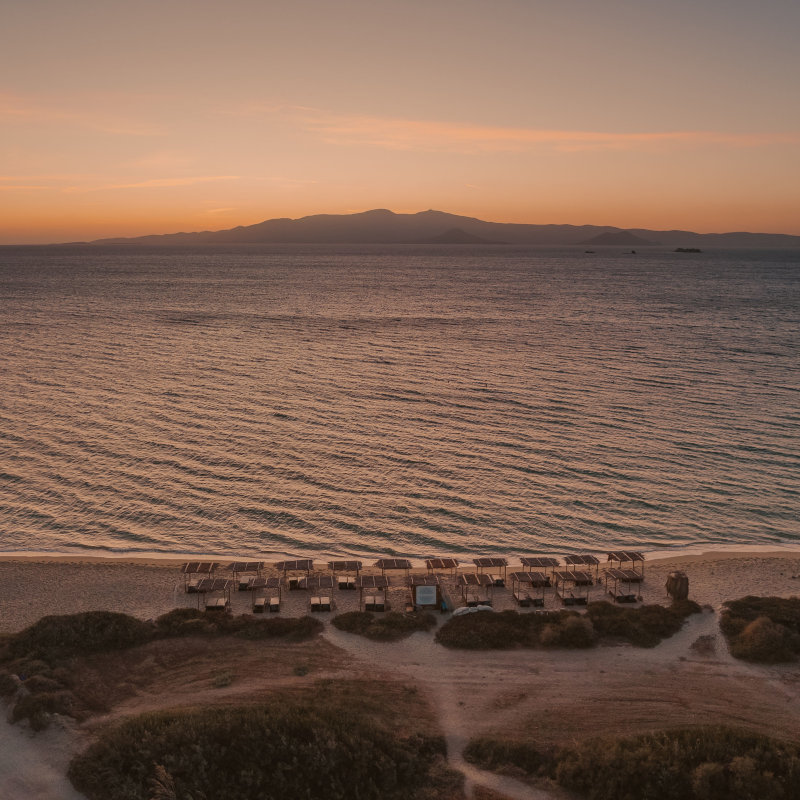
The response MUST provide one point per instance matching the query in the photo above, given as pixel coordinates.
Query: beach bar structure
(242, 571)
(442, 565)
(195, 571)
(627, 560)
(476, 588)
(528, 588)
(544, 564)
(216, 593)
(377, 587)
(266, 593)
(426, 590)
(345, 573)
(585, 562)
(495, 563)
(572, 586)
(291, 568)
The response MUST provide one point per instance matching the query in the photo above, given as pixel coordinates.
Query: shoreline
(35, 586)
(169, 560)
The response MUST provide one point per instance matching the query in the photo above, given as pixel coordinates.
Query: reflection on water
(404, 400)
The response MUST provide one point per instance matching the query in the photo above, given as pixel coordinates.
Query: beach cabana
(387, 564)
(377, 587)
(544, 564)
(195, 571)
(620, 584)
(266, 593)
(426, 590)
(585, 562)
(442, 565)
(572, 586)
(494, 563)
(345, 573)
(321, 588)
(527, 588)
(290, 568)
(216, 593)
(476, 588)
(628, 560)
(242, 571)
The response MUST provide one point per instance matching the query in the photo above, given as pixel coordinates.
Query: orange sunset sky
(152, 117)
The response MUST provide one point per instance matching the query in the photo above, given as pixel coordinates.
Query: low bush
(44, 656)
(645, 626)
(270, 751)
(59, 637)
(711, 763)
(390, 626)
(762, 629)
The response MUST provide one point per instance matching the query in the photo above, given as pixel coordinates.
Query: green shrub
(711, 763)
(645, 626)
(58, 637)
(762, 629)
(271, 751)
(390, 626)
(44, 656)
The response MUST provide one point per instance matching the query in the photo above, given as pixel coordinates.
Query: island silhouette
(381, 226)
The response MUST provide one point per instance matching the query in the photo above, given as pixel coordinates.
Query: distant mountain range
(437, 227)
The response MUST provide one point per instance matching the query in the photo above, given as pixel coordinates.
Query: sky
(121, 119)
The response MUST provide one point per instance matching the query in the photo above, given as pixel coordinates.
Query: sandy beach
(607, 690)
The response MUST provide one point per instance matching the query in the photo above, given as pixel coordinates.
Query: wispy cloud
(163, 183)
(432, 135)
(34, 111)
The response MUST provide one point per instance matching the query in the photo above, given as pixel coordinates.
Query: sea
(279, 401)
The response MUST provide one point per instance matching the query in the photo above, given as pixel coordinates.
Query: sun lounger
(369, 602)
(259, 605)
(523, 598)
(497, 580)
(274, 604)
(324, 603)
(347, 583)
(217, 604)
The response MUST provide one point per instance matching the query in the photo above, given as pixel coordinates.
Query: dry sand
(543, 695)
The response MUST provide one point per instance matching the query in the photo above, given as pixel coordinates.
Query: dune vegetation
(705, 763)
(644, 626)
(39, 666)
(762, 629)
(330, 741)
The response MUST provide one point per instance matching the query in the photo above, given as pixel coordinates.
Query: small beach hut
(493, 563)
(345, 573)
(290, 568)
(426, 590)
(376, 587)
(196, 571)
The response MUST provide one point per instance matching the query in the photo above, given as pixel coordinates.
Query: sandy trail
(34, 766)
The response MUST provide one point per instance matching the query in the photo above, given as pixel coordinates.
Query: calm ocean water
(397, 400)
